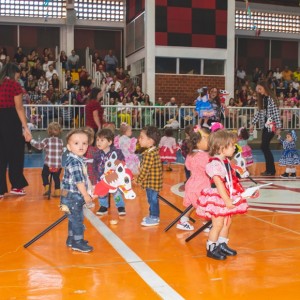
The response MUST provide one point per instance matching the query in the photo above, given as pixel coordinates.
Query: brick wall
(184, 87)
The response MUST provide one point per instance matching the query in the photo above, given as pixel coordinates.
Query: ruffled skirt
(211, 204)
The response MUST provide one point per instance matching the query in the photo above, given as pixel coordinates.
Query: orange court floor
(134, 262)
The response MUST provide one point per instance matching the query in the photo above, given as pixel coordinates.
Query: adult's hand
(27, 134)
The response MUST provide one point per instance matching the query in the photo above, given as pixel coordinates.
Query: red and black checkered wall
(191, 23)
(134, 8)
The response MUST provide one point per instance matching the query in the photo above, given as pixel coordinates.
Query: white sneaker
(184, 226)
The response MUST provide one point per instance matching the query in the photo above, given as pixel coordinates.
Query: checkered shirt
(100, 158)
(151, 170)
(8, 90)
(75, 172)
(263, 114)
(53, 148)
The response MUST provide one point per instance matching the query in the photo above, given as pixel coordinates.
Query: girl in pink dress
(196, 162)
(217, 201)
(128, 146)
(168, 148)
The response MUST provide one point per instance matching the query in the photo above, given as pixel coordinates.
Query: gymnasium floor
(134, 262)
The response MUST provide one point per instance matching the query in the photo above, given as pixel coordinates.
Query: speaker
(71, 17)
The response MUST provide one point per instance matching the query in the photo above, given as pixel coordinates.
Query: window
(165, 65)
(189, 66)
(213, 67)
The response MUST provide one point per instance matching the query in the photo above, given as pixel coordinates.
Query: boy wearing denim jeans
(74, 187)
(104, 143)
(150, 177)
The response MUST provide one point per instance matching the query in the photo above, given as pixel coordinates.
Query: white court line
(275, 225)
(143, 270)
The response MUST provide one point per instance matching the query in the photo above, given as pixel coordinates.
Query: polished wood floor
(134, 262)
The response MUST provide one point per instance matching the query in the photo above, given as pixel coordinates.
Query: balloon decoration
(253, 25)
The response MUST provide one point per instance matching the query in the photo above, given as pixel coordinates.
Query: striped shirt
(53, 148)
(151, 170)
(270, 112)
(75, 172)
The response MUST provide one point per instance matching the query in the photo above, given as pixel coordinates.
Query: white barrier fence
(73, 116)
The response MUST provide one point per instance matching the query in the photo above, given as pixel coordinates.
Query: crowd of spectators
(42, 85)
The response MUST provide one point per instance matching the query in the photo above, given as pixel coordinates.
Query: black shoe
(284, 175)
(102, 211)
(215, 252)
(293, 176)
(226, 250)
(267, 174)
(121, 211)
(81, 246)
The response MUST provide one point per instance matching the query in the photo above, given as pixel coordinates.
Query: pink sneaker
(1, 196)
(18, 191)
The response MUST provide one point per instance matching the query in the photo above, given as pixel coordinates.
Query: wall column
(230, 65)
(150, 49)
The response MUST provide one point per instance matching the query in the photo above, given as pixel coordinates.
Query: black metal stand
(173, 206)
(46, 230)
(199, 231)
(178, 218)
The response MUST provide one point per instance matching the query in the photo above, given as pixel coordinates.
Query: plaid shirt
(100, 158)
(8, 90)
(75, 172)
(271, 112)
(53, 148)
(151, 170)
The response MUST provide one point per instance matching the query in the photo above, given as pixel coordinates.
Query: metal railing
(72, 116)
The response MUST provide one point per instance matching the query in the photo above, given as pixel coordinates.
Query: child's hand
(87, 198)
(229, 204)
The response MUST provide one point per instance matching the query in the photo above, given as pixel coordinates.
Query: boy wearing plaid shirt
(53, 147)
(74, 189)
(150, 177)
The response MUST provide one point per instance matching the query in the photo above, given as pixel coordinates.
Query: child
(243, 137)
(196, 162)
(167, 148)
(216, 202)
(53, 147)
(289, 156)
(128, 146)
(104, 143)
(203, 107)
(150, 176)
(74, 189)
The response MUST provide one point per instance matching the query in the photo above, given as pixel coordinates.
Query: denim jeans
(152, 197)
(75, 204)
(103, 201)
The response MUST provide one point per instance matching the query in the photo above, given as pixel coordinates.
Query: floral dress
(210, 202)
(289, 156)
(128, 147)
